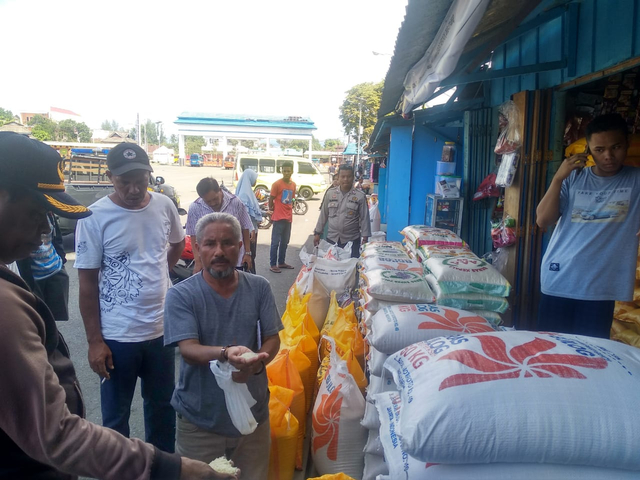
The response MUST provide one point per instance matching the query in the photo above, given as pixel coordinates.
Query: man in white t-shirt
(124, 252)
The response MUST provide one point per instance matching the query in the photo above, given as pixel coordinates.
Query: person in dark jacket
(42, 433)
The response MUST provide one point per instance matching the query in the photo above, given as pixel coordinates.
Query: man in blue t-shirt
(591, 259)
(220, 314)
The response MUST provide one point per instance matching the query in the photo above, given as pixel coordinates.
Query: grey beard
(221, 274)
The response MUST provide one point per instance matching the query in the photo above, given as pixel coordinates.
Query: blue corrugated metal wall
(608, 33)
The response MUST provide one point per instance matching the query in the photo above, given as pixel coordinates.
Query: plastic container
(449, 152)
(446, 168)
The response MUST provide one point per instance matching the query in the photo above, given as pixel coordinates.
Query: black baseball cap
(126, 157)
(39, 169)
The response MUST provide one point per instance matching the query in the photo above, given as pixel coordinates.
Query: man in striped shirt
(213, 198)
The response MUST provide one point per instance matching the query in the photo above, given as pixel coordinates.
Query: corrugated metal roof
(420, 26)
(351, 150)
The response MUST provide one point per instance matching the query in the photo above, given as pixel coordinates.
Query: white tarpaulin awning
(443, 54)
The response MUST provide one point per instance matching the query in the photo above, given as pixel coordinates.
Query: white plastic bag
(374, 217)
(236, 396)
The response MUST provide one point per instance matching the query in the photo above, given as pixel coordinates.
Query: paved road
(184, 179)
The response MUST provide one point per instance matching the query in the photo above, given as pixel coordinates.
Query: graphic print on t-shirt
(601, 207)
(287, 197)
(120, 285)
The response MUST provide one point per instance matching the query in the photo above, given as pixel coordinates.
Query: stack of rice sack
(512, 405)
(626, 316)
(388, 277)
(416, 236)
(392, 329)
(292, 370)
(461, 279)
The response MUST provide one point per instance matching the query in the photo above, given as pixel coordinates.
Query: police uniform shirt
(347, 214)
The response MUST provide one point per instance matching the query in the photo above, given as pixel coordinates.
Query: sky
(112, 59)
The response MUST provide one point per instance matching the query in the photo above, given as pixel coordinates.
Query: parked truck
(87, 182)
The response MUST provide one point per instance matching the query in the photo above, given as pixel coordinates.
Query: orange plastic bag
(282, 371)
(307, 373)
(284, 434)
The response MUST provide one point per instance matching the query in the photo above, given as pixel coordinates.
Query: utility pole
(359, 131)
(138, 127)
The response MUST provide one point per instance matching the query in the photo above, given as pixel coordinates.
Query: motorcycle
(183, 269)
(300, 206)
(266, 215)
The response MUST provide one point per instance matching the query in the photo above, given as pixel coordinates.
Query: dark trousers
(355, 246)
(155, 365)
(581, 317)
(280, 235)
(55, 293)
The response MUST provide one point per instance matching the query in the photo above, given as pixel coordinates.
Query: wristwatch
(223, 353)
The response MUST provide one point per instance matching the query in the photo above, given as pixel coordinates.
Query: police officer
(345, 209)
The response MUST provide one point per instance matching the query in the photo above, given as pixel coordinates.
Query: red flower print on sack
(522, 361)
(326, 423)
(401, 266)
(452, 321)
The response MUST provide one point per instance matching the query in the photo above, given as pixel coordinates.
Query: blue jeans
(581, 317)
(280, 235)
(155, 365)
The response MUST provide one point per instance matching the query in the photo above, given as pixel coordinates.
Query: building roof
(352, 150)
(15, 127)
(245, 120)
(62, 110)
(421, 25)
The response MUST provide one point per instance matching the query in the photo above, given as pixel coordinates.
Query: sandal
(275, 269)
(284, 265)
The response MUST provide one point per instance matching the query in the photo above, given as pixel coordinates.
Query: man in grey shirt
(345, 209)
(220, 314)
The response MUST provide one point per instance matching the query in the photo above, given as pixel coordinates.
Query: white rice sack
(394, 328)
(370, 420)
(520, 397)
(419, 235)
(467, 301)
(380, 262)
(401, 465)
(372, 305)
(374, 465)
(376, 361)
(397, 286)
(373, 445)
(468, 275)
(443, 251)
(378, 236)
(524, 471)
(337, 438)
(381, 248)
(328, 275)
(493, 318)
(379, 384)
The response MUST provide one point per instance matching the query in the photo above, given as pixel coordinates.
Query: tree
(43, 128)
(72, 131)
(366, 95)
(111, 126)
(193, 144)
(6, 116)
(133, 133)
(332, 143)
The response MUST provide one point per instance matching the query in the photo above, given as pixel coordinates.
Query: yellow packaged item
(304, 367)
(332, 314)
(284, 434)
(622, 308)
(632, 316)
(333, 476)
(620, 333)
(282, 372)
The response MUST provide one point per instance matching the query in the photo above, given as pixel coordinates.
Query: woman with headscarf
(244, 191)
